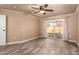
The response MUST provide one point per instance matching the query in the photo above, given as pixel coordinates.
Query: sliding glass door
(55, 28)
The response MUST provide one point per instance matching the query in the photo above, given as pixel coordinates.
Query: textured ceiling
(59, 9)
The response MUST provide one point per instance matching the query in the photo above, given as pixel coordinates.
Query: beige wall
(72, 28)
(77, 17)
(72, 25)
(21, 26)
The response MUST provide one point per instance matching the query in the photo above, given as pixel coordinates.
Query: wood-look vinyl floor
(41, 47)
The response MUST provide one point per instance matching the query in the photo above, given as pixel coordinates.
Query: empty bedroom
(39, 29)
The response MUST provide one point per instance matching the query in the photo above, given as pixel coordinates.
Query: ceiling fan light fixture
(42, 11)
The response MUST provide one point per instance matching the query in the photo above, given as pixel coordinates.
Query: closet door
(2, 30)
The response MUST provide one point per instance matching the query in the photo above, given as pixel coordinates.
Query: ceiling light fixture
(42, 11)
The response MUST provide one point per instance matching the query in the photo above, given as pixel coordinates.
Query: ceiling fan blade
(44, 13)
(35, 8)
(36, 12)
(45, 5)
(41, 8)
(49, 10)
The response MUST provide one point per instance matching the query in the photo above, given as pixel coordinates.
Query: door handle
(4, 30)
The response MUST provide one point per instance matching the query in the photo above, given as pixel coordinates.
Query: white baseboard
(75, 42)
(72, 41)
(11, 43)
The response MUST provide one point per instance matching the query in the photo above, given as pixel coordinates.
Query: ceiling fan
(42, 9)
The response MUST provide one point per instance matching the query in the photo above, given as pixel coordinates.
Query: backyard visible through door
(55, 29)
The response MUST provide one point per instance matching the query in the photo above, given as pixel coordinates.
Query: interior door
(2, 30)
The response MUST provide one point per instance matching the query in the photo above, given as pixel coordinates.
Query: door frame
(45, 27)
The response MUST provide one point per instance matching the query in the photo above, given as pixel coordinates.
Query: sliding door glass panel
(55, 28)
